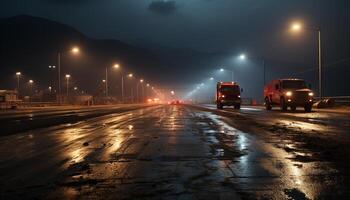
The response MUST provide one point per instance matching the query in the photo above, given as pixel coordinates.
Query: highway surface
(175, 152)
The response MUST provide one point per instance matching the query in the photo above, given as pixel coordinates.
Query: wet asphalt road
(181, 152)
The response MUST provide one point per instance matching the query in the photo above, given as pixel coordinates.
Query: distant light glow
(296, 26)
(75, 50)
(242, 57)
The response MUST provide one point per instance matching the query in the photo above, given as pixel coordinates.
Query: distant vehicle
(175, 102)
(228, 94)
(288, 92)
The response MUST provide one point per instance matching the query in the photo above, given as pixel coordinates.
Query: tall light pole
(122, 89)
(232, 75)
(115, 66)
(74, 50)
(142, 95)
(131, 88)
(18, 75)
(147, 88)
(244, 57)
(296, 27)
(31, 87)
(67, 78)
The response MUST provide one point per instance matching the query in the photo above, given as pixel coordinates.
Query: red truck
(228, 94)
(288, 93)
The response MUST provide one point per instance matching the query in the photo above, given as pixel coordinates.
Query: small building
(8, 99)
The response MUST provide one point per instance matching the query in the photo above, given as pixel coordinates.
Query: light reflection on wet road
(169, 152)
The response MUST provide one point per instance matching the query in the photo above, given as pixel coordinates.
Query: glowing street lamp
(67, 78)
(74, 50)
(18, 75)
(31, 86)
(115, 66)
(222, 70)
(242, 57)
(297, 27)
(130, 76)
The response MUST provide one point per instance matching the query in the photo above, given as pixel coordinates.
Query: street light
(74, 50)
(142, 90)
(18, 75)
(31, 87)
(297, 27)
(242, 57)
(115, 66)
(222, 70)
(130, 76)
(67, 78)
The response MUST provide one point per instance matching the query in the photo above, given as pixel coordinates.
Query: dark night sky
(256, 27)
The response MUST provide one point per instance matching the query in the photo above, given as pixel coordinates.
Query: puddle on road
(264, 170)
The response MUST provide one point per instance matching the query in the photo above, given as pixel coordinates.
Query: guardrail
(21, 104)
(337, 100)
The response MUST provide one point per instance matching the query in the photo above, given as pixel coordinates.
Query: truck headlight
(288, 94)
(311, 94)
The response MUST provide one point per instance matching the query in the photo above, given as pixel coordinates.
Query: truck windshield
(292, 84)
(229, 89)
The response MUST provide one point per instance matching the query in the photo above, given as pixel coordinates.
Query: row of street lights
(76, 50)
(295, 27)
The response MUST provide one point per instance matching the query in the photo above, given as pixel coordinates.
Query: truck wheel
(283, 104)
(237, 106)
(293, 108)
(268, 104)
(308, 108)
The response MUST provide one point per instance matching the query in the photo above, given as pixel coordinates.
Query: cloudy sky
(199, 24)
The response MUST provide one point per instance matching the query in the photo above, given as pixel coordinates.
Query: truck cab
(288, 93)
(228, 94)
